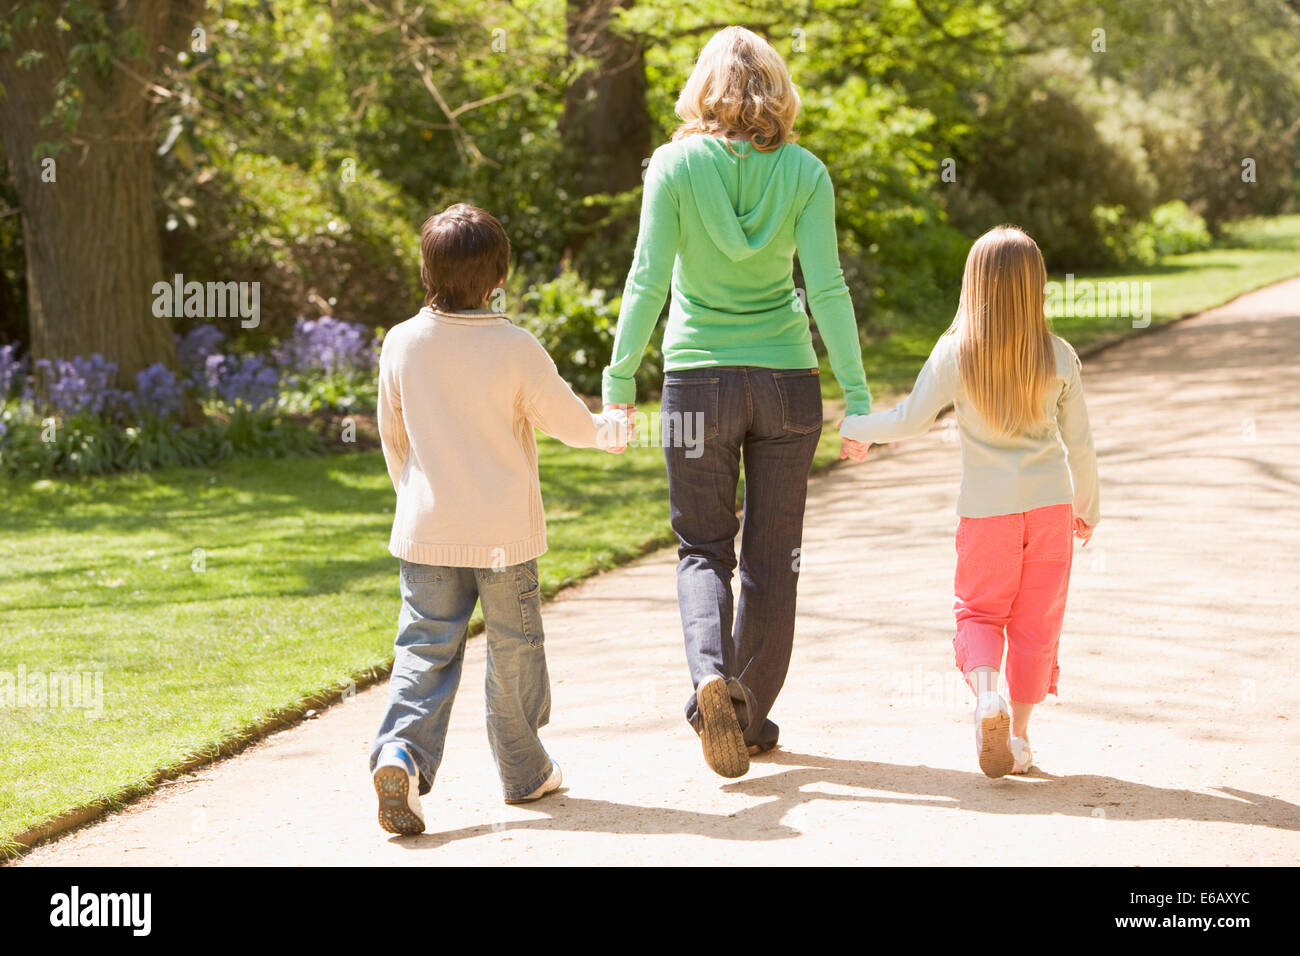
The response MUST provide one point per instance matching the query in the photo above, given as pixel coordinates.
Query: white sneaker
(1024, 759)
(397, 784)
(552, 784)
(992, 734)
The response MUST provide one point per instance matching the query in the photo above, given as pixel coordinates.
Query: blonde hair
(740, 85)
(1004, 350)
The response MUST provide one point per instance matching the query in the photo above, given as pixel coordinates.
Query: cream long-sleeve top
(459, 396)
(1001, 475)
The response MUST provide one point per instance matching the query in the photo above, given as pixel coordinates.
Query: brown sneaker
(721, 738)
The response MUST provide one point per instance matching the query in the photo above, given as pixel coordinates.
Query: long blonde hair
(740, 86)
(1004, 350)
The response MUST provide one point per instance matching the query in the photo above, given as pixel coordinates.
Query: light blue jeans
(431, 631)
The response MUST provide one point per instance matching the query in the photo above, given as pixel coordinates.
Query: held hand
(1083, 531)
(630, 412)
(856, 450)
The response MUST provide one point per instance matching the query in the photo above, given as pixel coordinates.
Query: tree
(77, 88)
(606, 126)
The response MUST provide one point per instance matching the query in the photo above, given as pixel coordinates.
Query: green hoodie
(722, 230)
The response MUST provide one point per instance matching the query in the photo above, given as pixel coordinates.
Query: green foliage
(313, 239)
(85, 445)
(340, 391)
(1171, 229)
(304, 145)
(575, 324)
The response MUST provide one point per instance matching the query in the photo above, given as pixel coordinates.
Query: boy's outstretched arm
(553, 407)
(392, 424)
(932, 393)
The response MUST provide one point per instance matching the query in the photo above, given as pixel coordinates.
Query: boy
(460, 391)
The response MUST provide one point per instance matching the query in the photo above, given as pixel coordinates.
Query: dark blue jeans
(713, 419)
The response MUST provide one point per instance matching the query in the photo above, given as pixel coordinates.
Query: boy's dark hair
(465, 255)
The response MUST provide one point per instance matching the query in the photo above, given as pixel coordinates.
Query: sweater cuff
(617, 390)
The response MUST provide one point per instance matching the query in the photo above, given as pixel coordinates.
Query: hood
(742, 200)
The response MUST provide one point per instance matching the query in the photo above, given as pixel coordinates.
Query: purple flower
(213, 370)
(249, 380)
(195, 348)
(12, 369)
(157, 393)
(327, 345)
(81, 385)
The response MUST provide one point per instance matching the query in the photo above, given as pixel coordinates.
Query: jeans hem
(519, 794)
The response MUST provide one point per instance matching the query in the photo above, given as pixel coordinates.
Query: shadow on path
(1083, 795)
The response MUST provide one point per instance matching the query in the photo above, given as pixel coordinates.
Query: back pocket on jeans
(801, 400)
(689, 410)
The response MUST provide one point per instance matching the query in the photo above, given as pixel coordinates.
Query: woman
(727, 204)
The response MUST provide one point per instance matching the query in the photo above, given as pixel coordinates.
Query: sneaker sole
(995, 753)
(721, 738)
(393, 788)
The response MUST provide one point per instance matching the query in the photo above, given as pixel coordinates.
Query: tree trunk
(89, 230)
(606, 126)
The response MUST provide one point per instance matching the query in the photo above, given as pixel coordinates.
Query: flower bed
(65, 416)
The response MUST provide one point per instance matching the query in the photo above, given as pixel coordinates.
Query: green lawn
(297, 593)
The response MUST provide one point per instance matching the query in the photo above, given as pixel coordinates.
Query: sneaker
(720, 735)
(992, 735)
(397, 783)
(552, 784)
(1019, 747)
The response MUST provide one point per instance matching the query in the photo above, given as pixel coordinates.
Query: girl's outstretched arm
(1076, 432)
(933, 392)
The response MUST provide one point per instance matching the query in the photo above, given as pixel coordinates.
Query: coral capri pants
(1013, 572)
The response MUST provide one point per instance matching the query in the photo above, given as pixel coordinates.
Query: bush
(575, 324)
(1175, 229)
(1170, 230)
(1060, 156)
(312, 239)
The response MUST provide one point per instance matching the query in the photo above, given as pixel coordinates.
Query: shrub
(575, 324)
(1171, 229)
(1175, 229)
(1058, 155)
(311, 239)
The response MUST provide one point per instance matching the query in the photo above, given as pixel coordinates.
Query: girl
(1018, 398)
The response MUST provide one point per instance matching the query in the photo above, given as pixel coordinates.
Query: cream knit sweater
(459, 396)
(1001, 475)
